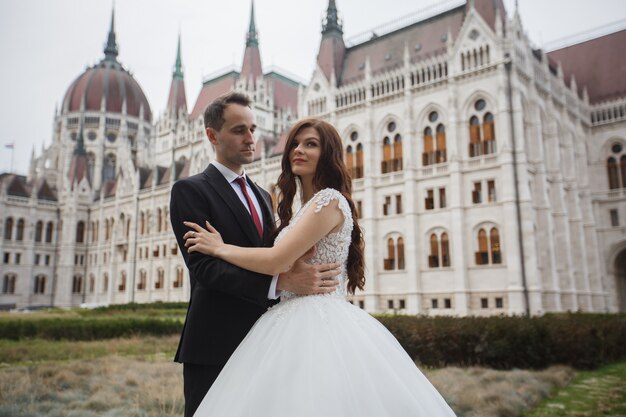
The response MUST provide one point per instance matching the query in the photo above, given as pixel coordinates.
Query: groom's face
(235, 142)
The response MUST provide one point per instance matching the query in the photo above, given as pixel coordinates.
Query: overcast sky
(46, 44)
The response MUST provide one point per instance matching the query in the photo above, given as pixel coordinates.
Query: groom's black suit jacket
(225, 300)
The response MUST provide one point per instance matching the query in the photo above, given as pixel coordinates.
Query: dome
(107, 81)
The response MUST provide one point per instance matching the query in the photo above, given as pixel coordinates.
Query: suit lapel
(226, 193)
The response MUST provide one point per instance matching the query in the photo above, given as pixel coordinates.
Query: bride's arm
(310, 228)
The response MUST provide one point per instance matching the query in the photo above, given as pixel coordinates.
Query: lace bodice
(334, 246)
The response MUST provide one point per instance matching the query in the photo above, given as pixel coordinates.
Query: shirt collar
(228, 174)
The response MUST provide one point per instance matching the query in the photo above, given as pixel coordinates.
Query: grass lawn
(599, 393)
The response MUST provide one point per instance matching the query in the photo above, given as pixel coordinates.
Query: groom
(226, 300)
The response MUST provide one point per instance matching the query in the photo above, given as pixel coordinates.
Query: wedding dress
(321, 356)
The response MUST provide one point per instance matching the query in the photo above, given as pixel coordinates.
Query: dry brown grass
(115, 386)
(479, 392)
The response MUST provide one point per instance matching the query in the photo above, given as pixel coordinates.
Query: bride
(315, 355)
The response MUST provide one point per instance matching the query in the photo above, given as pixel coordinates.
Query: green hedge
(86, 328)
(583, 341)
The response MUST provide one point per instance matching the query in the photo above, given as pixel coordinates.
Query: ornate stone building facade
(489, 175)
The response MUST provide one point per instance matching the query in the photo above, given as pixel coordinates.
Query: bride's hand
(207, 241)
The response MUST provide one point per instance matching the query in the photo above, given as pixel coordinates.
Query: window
(447, 303)
(445, 250)
(47, 260)
(40, 284)
(434, 303)
(8, 228)
(499, 302)
(386, 206)
(37, 258)
(77, 284)
(442, 198)
(392, 151)
(390, 304)
(614, 218)
(390, 262)
(122, 285)
(433, 258)
(494, 240)
(80, 232)
(158, 284)
(358, 170)
(141, 285)
(92, 283)
(439, 251)
(20, 230)
(616, 167)
(18, 258)
(39, 231)
(7, 257)
(178, 282)
(359, 209)
(49, 229)
(434, 147)
(491, 191)
(354, 160)
(400, 247)
(105, 282)
(482, 256)
(8, 284)
(429, 202)
(399, 204)
(482, 137)
(477, 197)
(402, 304)
(484, 303)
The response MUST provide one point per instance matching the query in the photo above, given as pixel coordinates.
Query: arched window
(91, 164)
(400, 247)
(143, 278)
(494, 240)
(386, 164)
(613, 173)
(445, 250)
(77, 284)
(397, 153)
(105, 282)
(143, 223)
(159, 219)
(433, 258)
(49, 230)
(428, 156)
(8, 228)
(19, 235)
(350, 160)
(92, 283)
(390, 262)
(8, 284)
(482, 256)
(359, 171)
(158, 284)
(122, 286)
(441, 153)
(622, 165)
(108, 173)
(489, 134)
(178, 283)
(474, 145)
(80, 232)
(127, 227)
(39, 231)
(40, 284)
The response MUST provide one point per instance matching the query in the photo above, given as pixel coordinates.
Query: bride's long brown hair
(331, 172)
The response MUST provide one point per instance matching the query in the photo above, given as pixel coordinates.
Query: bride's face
(305, 152)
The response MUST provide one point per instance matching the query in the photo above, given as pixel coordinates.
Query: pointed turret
(177, 98)
(78, 166)
(251, 67)
(111, 50)
(332, 47)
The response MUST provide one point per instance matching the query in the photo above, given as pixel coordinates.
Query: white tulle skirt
(321, 356)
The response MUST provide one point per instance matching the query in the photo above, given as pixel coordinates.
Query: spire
(332, 23)
(332, 47)
(79, 165)
(178, 66)
(79, 149)
(177, 98)
(252, 68)
(252, 38)
(111, 50)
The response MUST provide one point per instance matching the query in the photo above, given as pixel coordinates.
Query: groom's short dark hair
(214, 113)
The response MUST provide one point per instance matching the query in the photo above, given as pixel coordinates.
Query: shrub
(580, 340)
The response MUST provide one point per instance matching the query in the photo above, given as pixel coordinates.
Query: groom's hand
(306, 279)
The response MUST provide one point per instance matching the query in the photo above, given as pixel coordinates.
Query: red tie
(255, 216)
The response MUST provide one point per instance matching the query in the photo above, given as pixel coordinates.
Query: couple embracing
(269, 331)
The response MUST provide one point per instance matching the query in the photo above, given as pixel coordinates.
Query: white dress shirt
(231, 177)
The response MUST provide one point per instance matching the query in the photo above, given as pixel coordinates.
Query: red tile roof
(212, 89)
(598, 64)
